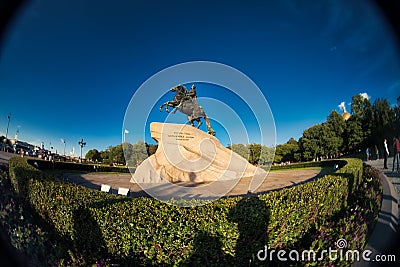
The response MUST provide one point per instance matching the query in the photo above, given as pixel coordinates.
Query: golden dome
(346, 116)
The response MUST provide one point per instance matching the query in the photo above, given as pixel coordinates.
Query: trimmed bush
(21, 173)
(230, 231)
(354, 224)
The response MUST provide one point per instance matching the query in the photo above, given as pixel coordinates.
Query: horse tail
(209, 128)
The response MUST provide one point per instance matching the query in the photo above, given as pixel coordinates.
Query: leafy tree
(319, 140)
(337, 125)
(330, 141)
(93, 155)
(128, 153)
(139, 152)
(261, 154)
(266, 155)
(290, 151)
(116, 154)
(357, 104)
(354, 134)
(310, 142)
(255, 153)
(240, 149)
(105, 156)
(384, 117)
(362, 112)
(336, 122)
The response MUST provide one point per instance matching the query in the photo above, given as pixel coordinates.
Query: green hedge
(61, 165)
(310, 164)
(21, 172)
(145, 231)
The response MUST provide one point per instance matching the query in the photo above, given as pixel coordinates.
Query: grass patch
(301, 169)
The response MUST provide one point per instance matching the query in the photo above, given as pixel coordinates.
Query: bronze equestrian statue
(186, 103)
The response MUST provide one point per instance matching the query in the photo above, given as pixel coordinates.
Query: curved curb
(384, 235)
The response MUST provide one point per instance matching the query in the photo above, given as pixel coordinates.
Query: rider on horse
(192, 93)
(186, 103)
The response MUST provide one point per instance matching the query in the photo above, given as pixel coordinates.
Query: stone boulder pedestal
(190, 162)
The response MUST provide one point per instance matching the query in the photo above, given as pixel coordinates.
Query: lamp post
(65, 144)
(81, 144)
(17, 133)
(8, 125)
(125, 132)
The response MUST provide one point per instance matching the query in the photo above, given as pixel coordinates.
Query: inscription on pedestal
(181, 136)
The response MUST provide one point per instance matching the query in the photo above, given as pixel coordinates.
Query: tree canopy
(93, 155)
(254, 153)
(368, 125)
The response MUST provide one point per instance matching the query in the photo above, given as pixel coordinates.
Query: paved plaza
(394, 177)
(274, 180)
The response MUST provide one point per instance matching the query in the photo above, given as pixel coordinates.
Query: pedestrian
(367, 153)
(385, 154)
(377, 152)
(396, 153)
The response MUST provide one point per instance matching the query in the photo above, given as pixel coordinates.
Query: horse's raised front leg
(166, 104)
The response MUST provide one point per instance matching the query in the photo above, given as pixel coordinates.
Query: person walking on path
(385, 154)
(396, 153)
(377, 152)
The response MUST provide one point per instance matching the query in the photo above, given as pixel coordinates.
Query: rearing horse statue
(187, 104)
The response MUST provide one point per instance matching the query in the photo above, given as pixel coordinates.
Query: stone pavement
(394, 177)
(274, 180)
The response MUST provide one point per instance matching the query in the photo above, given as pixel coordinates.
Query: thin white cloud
(342, 106)
(365, 95)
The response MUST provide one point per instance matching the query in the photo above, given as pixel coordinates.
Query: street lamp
(125, 132)
(8, 124)
(81, 144)
(65, 144)
(17, 133)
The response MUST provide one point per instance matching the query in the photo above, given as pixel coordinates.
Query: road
(5, 156)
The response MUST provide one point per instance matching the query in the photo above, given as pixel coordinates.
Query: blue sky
(68, 69)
